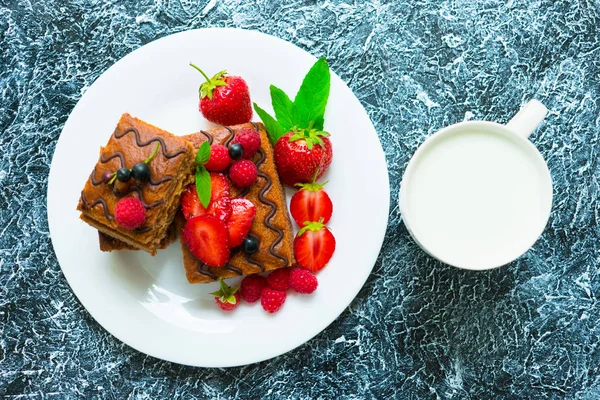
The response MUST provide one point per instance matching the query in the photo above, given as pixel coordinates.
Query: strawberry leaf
(274, 129)
(285, 111)
(311, 99)
(203, 185)
(203, 154)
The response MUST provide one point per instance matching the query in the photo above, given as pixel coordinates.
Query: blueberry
(107, 176)
(236, 151)
(250, 244)
(141, 172)
(123, 174)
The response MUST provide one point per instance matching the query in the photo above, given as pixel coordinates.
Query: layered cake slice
(142, 162)
(270, 231)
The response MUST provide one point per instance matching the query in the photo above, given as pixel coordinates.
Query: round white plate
(146, 301)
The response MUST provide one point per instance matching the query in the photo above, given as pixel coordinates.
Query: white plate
(146, 301)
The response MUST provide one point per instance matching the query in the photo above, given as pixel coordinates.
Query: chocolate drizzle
(141, 197)
(94, 203)
(203, 269)
(143, 229)
(104, 160)
(139, 142)
(230, 137)
(261, 197)
(208, 136)
(234, 269)
(254, 262)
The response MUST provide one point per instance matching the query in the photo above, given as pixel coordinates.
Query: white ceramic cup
(477, 195)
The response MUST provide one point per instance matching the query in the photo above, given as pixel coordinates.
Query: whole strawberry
(225, 99)
(227, 298)
(302, 154)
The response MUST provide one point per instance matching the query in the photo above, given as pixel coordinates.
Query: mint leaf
(274, 129)
(203, 186)
(285, 112)
(311, 99)
(203, 154)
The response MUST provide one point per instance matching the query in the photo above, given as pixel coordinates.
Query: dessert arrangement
(221, 192)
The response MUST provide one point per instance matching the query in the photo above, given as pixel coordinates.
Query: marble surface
(418, 329)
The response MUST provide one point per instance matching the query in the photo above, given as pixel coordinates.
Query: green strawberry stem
(311, 226)
(226, 294)
(313, 186)
(202, 72)
(147, 160)
(310, 135)
(206, 89)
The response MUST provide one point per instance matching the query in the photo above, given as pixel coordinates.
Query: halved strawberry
(219, 186)
(240, 222)
(192, 207)
(313, 246)
(190, 203)
(220, 208)
(208, 239)
(311, 203)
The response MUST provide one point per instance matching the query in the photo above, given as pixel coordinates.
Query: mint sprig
(203, 186)
(307, 111)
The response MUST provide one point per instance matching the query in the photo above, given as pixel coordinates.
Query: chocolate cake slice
(132, 142)
(271, 225)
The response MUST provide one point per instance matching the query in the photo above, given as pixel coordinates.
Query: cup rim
(430, 141)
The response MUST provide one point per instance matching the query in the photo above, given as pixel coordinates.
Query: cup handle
(528, 118)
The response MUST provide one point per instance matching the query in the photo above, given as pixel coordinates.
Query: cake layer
(271, 224)
(132, 142)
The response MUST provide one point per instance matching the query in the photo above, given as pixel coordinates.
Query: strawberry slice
(219, 205)
(240, 222)
(190, 203)
(313, 246)
(311, 203)
(208, 239)
(220, 208)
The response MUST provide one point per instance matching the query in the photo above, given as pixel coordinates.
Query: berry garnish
(272, 300)
(107, 176)
(302, 154)
(192, 207)
(130, 213)
(279, 279)
(243, 173)
(249, 139)
(207, 238)
(240, 221)
(250, 244)
(313, 246)
(219, 158)
(252, 287)
(311, 203)
(123, 174)
(227, 298)
(303, 281)
(141, 172)
(236, 151)
(225, 99)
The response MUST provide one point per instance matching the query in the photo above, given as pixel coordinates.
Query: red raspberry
(227, 306)
(252, 287)
(250, 141)
(130, 213)
(303, 281)
(219, 158)
(243, 173)
(279, 279)
(272, 300)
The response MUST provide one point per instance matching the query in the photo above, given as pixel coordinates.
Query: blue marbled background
(418, 329)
